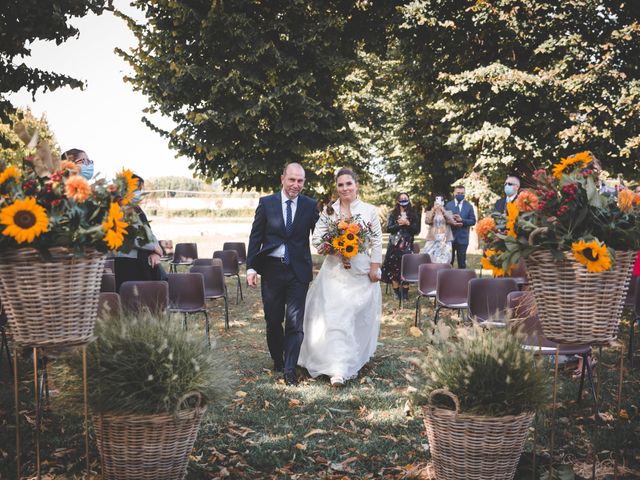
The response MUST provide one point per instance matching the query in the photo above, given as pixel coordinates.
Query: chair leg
(240, 285)
(184, 321)
(226, 313)
(238, 289)
(435, 317)
(584, 367)
(632, 325)
(417, 310)
(587, 361)
(206, 327)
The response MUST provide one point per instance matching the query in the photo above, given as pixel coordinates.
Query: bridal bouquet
(63, 209)
(570, 210)
(345, 237)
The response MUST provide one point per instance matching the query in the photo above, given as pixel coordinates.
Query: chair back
(167, 247)
(186, 292)
(185, 253)
(110, 265)
(428, 275)
(109, 305)
(452, 285)
(240, 249)
(525, 321)
(487, 298)
(214, 286)
(229, 259)
(410, 264)
(153, 295)
(203, 262)
(108, 283)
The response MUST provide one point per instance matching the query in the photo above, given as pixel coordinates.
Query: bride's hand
(324, 249)
(375, 274)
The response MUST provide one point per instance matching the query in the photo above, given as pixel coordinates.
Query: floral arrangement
(345, 237)
(569, 210)
(63, 209)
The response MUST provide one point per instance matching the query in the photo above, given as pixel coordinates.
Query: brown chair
(184, 254)
(209, 262)
(487, 300)
(240, 249)
(427, 276)
(525, 323)
(167, 249)
(230, 267)
(452, 290)
(108, 283)
(186, 296)
(110, 265)
(409, 267)
(109, 305)
(632, 302)
(135, 295)
(214, 286)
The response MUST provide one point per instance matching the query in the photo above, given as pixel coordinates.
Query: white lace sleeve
(376, 237)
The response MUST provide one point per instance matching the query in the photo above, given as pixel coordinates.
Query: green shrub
(489, 372)
(145, 363)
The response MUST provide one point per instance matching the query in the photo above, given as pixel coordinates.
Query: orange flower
(512, 217)
(342, 225)
(131, 185)
(485, 226)
(353, 228)
(527, 201)
(77, 188)
(626, 199)
(67, 165)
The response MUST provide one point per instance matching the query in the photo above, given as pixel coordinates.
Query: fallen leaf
(301, 446)
(241, 394)
(315, 431)
(415, 332)
(294, 403)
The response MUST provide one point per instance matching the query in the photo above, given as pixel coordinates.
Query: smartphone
(439, 201)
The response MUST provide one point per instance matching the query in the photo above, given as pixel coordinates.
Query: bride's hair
(347, 171)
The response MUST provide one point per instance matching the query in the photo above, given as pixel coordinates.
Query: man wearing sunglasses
(511, 189)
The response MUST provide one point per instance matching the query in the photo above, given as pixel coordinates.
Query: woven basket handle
(446, 393)
(537, 231)
(183, 399)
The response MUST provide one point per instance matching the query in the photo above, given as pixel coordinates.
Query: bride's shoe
(337, 381)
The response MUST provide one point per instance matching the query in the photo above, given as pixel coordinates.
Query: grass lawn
(365, 430)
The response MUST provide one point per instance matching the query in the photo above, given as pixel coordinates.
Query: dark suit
(501, 204)
(461, 234)
(284, 286)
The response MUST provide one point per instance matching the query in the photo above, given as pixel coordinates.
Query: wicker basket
(53, 302)
(474, 447)
(147, 447)
(576, 306)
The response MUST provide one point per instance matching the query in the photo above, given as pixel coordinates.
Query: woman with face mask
(81, 159)
(403, 225)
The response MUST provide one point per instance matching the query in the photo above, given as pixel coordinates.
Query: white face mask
(509, 190)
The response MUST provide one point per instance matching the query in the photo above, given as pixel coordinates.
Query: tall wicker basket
(50, 302)
(474, 447)
(147, 447)
(576, 306)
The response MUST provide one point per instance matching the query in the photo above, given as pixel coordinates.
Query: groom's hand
(252, 279)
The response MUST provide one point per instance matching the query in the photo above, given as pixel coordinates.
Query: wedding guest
(440, 236)
(464, 217)
(344, 305)
(80, 158)
(511, 190)
(403, 225)
(143, 261)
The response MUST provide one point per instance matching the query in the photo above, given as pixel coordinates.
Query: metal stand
(38, 409)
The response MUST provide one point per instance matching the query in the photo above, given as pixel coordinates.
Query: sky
(104, 118)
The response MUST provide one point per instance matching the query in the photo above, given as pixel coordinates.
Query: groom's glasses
(510, 184)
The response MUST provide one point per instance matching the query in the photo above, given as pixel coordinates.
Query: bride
(344, 304)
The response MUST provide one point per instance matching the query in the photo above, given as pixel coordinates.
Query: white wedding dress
(343, 307)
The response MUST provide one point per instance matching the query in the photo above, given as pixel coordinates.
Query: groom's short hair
(286, 167)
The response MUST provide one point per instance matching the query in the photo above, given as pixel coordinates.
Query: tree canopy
(415, 94)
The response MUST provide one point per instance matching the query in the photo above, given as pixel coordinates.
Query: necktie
(288, 224)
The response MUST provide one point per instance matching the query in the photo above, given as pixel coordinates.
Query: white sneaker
(337, 381)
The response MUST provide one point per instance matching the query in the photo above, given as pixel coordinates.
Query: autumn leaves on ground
(364, 430)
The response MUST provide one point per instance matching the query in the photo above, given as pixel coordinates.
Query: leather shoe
(278, 367)
(290, 378)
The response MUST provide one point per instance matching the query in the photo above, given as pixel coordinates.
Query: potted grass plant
(479, 395)
(149, 385)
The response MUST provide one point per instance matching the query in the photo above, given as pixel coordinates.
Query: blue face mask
(459, 197)
(403, 203)
(509, 190)
(137, 195)
(86, 171)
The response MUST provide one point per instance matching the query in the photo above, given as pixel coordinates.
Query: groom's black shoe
(278, 367)
(290, 378)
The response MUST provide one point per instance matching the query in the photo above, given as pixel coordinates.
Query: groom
(279, 252)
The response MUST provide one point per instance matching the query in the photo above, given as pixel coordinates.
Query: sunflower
(77, 188)
(485, 226)
(487, 262)
(338, 243)
(114, 226)
(350, 250)
(626, 199)
(527, 201)
(9, 172)
(24, 220)
(350, 237)
(131, 186)
(512, 217)
(583, 157)
(593, 255)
